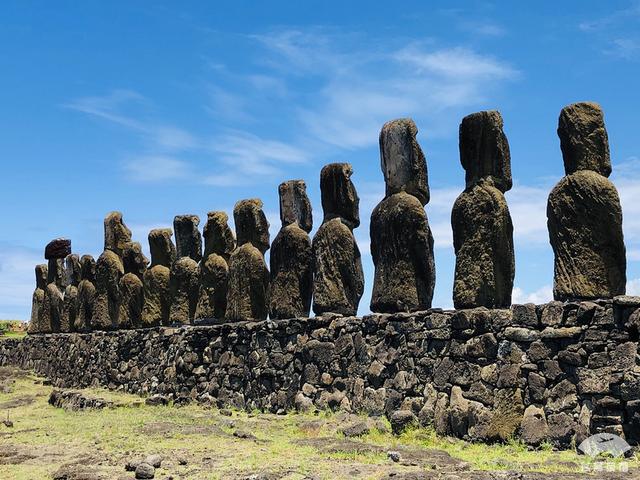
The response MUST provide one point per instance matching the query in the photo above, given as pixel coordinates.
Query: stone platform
(555, 372)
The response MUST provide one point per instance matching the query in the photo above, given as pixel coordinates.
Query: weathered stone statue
(109, 271)
(157, 294)
(291, 259)
(86, 294)
(583, 211)
(482, 228)
(338, 280)
(55, 252)
(185, 273)
(401, 240)
(248, 291)
(37, 302)
(188, 238)
(219, 243)
(70, 301)
(131, 287)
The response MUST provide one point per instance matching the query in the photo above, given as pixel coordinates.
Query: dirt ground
(40, 441)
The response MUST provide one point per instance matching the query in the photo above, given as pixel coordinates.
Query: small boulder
(402, 420)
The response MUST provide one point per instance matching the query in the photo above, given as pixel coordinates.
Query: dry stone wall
(555, 372)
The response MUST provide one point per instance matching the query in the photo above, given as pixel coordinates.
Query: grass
(12, 329)
(294, 445)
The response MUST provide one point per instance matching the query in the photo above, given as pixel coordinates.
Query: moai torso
(248, 290)
(70, 301)
(109, 271)
(584, 215)
(482, 227)
(338, 280)
(291, 258)
(55, 252)
(214, 268)
(37, 302)
(401, 240)
(131, 286)
(185, 272)
(157, 295)
(86, 294)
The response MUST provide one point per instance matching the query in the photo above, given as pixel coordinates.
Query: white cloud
(17, 280)
(542, 295)
(454, 63)
(156, 168)
(633, 287)
(612, 18)
(361, 84)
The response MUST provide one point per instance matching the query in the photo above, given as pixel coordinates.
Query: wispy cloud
(17, 280)
(617, 31)
(611, 19)
(542, 295)
(117, 106)
(156, 168)
(360, 84)
(232, 157)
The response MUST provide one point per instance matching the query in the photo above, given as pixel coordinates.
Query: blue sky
(157, 110)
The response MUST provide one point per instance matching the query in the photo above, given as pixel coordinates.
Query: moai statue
(70, 300)
(86, 294)
(291, 258)
(338, 280)
(131, 287)
(482, 228)
(55, 252)
(401, 240)
(37, 302)
(219, 243)
(584, 216)
(185, 272)
(248, 291)
(109, 271)
(157, 294)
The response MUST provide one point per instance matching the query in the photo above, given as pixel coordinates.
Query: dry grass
(289, 446)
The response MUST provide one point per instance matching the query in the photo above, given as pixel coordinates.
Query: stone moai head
(403, 163)
(295, 206)
(251, 224)
(88, 268)
(163, 251)
(41, 276)
(218, 237)
(583, 139)
(58, 248)
(116, 233)
(339, 196)
(188, 238)
(484, 150)
(134, 260)
(55, 252)
(72, 269)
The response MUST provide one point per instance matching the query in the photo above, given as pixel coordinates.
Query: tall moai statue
(55, 252)
(70, 300)
(37, 301)
(109, 271)
(338, 280)
(219, 243)
(131, 286)
(291, 258)
(482, 228)
(86, 294)
(185, 272)
(584, 216)
(401, 240)
(248, 291)
(156, 280)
